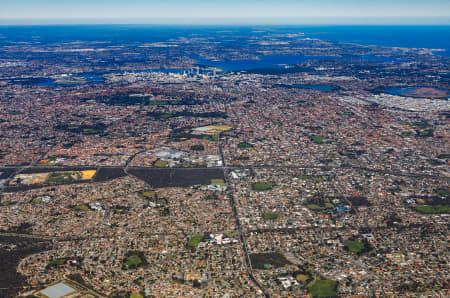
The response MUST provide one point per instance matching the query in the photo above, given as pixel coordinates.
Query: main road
(248, 262)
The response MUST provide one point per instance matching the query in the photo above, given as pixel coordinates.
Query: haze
(226, 12)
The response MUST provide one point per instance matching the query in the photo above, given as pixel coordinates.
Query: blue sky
(209, 10)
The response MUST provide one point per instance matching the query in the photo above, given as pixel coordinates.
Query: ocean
(432, 37)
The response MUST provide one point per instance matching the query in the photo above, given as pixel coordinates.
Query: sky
(219, 11)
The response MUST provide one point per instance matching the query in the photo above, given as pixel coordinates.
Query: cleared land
(11, 281)
(432, 209)
(176, 177)
(194, 241)
(161, 164)
(105, 174)
(244, 145)
(217, 181)
(261, 186)
(319, 139)
(133, 260)
(6, 172)
(323, 288)
(270, 215)
(354, 246)
(268, 260)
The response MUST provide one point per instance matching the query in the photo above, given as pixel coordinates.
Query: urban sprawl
(140, 170)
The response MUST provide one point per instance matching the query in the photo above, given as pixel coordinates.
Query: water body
(110, 34)
(418, 92)
(326, 88)
(435, 37)
(171, 70)
(269, 61)
(420, 36)
(281, 61)
(90, 79)
(424, 36)
(93, 78)
(429, 37)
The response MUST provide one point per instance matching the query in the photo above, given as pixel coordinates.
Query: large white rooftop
(58, 290)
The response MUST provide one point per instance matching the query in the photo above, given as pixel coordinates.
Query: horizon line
(298, 20)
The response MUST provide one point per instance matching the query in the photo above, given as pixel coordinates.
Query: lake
(89, 79)
(327, 88)
(418, 92)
